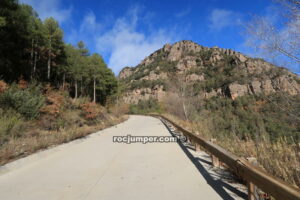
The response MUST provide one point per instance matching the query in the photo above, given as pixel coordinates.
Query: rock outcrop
(212, 71)
(134, 96)
(126, 72)
(154, 76)
(179, 49)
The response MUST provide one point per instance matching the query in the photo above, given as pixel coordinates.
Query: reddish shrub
(55, 102)
(91, 110)
(3, 86)
(22, 84)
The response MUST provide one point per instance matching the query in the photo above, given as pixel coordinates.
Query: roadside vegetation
(35, 116)
(144, 107)
(280, 158)
(50, 92)
(264, 127)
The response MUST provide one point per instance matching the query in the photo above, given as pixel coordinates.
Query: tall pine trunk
(76, 90)
(35, 59)
(34, 64)
(49, 60)
(31, 58)
(64, 81)
(81, 87)
(94, 90)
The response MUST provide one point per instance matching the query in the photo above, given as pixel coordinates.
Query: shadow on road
(215, 181)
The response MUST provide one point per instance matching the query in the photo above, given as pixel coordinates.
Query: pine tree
(54, 42)
(13, 40)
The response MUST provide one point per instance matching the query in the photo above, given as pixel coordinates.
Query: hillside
(190, 81)
(210, 72)
(249, 106)
(51, 92)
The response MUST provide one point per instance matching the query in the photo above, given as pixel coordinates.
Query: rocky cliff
(204, 72)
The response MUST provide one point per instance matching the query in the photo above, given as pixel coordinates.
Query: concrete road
(96, 168)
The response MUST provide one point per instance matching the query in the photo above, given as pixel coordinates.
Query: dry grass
(280, 159)
(58, 120)
(35, 139)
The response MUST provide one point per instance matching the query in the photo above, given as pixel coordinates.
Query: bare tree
(281, 37)
(183, 97)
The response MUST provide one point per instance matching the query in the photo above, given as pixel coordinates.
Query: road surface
(97, 168)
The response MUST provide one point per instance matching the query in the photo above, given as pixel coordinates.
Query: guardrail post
(251, 191)
(215, 161)
(188, 139)
(198, 147)
(251, 187)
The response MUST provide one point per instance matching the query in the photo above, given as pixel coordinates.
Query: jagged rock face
(125, 72)
(282, 83)
(237, 90)
(153, 76)
(180, 48)
(186, 63)
(133, 97)
(194, 77)
(286, 84)
(207, 68)
(257, 66)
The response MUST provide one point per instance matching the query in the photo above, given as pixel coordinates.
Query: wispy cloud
(126, 45)
(183, 13)
(50, 8)
(90, 23)
(87, 30)
(221, 18)
(123, 41)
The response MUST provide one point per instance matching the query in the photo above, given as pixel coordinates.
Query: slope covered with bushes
(35, 116)
(50, 92)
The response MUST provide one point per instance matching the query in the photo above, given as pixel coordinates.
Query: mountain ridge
(210, 71)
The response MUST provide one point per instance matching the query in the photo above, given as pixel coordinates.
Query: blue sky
(126, 31)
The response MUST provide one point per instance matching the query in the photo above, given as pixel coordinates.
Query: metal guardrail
(254, 175)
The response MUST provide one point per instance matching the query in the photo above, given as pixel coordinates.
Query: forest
(51, 92)
(32, 49)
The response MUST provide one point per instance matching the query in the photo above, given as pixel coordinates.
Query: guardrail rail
(255, 176)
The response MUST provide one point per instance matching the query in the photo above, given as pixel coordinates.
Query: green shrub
(146, 83)
(205, 54)
(10, 125)
(256, 117)
(25, 101)
(195, 70)
(145, 106)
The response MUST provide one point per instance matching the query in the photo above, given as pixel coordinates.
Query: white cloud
(50, 8)
(87, 31)
(89, 23)
(183, 13)
(221, 18)
(120, 40)
(127, 46)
